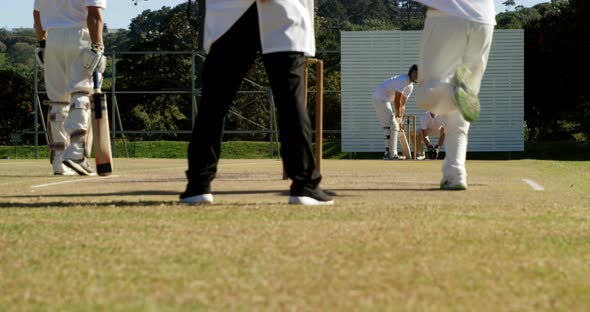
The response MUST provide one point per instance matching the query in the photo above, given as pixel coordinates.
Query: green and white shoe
(447, 185)
(465, 99)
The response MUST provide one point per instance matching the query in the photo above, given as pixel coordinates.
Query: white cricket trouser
(391, 127)
(448, 41)
(67, 83)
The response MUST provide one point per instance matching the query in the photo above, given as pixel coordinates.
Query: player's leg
(442, 47)
(467, 78)
(385, 115)
(454, 172)
(56, 84)
(395, 133)
(286, 74)
(77, 124)
(228, 61)
(457, 128)
(58, 112)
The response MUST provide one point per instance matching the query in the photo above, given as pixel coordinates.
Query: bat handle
(97, 97)
(95, 80)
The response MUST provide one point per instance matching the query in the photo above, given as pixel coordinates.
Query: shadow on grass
(141, 203)
(70, 195)
(65, 204)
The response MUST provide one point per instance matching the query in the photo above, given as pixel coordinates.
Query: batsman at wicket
(396, 89)
(70, 49)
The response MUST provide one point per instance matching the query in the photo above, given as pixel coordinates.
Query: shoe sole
(64, 173)
(466, 100)
(454, 187)
(308, 201)
(76, 167)
(203, 199)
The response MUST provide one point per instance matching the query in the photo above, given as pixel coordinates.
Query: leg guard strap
(56, 103)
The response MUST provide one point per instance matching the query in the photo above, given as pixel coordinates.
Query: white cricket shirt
(65, 13)
(428, 122)
(480, 11)
(385, 91)
(285, 25)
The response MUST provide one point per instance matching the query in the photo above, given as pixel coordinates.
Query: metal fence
(40, 127)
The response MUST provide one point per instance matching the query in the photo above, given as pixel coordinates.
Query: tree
(22, 53)
(166, 29)
(117, 41)
(16, 103)
(508, 4)
(521, 17)
(556, 47)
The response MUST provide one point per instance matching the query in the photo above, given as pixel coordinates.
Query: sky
(19, 13)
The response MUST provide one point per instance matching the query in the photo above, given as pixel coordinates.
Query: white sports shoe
(395, 157)
(306, 196)
(65, 171)
(81, 166)
(420, 157)
(453, 184)
(198, 199)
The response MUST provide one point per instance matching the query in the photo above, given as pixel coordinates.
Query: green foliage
(164, 30)
(3, 61)
(556, 45)
(556, 42)
(520, 18)
(22, 53)
(117, 41)
(16, 49)
(16, 103)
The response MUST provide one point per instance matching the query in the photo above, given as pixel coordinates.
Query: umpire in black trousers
(229, 59)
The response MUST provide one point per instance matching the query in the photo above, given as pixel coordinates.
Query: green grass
(155, 149)
(175, 149)
(554, 150)
(389, 243)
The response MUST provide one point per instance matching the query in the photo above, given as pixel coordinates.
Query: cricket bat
(403, 141)
(100, 130)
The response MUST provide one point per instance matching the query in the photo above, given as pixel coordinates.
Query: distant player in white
(397, 90)
(454, 51)
(71, 48)
(430, 125)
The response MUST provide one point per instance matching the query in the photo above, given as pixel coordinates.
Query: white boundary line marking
(534, 185)
(72, 181)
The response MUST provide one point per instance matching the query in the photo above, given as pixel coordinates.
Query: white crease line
(534, 185)
(72, 181)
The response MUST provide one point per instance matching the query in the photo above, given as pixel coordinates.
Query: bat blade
(403, 141)
(100, 131)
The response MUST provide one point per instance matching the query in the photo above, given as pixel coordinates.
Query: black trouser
(227, 63)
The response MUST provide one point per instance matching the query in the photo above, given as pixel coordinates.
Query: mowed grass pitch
(392, 241)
